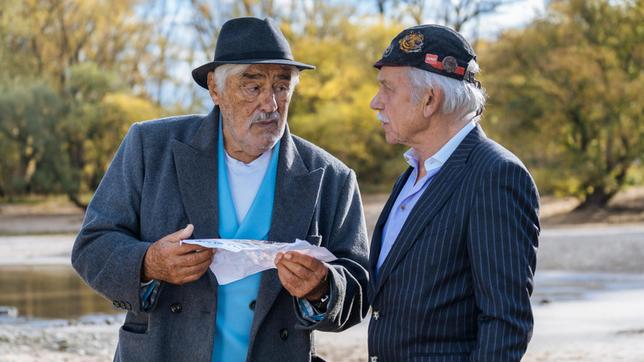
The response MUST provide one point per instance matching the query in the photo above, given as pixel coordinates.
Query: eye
(281, 88)
(253, 89)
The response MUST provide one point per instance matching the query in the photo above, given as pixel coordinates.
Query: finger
(190, 248)
(278, 258)
(179, 235)
(305, 260)
(195, 258)
(299, 270)
(290, 282)
(195, 271)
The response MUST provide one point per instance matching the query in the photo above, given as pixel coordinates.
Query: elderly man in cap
(454, 250)
(236, 173)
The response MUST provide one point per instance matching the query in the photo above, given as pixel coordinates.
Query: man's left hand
(301, 275)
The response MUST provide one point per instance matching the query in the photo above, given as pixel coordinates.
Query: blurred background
(565, 93)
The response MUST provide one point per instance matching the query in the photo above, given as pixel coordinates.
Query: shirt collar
(443, 154)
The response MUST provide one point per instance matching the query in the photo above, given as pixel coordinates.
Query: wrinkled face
(254, 106)
(399, 114)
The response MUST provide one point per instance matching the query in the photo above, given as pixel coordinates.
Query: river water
(56, 292)
(50, 292)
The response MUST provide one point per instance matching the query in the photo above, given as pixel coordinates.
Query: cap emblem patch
(412, 43)
(449, 64)
(387, 51)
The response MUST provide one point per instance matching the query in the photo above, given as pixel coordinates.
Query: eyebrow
(384, 82)
(253, 75)
(281, 76)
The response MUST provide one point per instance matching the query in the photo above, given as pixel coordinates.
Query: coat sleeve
(348, 274)
(502, 243)
(107, 253)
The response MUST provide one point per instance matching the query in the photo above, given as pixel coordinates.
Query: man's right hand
(170, 261)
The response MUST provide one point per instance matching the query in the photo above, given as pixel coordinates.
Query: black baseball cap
(434, 48)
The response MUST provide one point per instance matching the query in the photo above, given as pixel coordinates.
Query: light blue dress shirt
(412, 190)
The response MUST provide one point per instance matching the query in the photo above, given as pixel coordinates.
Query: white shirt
(244, 180)
(412, 190)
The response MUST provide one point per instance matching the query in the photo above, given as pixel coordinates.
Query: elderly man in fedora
(454, 251)
(236, 173)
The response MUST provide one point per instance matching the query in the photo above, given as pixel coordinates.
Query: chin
(390, 139)
(265, 144)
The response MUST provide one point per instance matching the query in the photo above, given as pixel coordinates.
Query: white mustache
(382, 118)
(265, 116)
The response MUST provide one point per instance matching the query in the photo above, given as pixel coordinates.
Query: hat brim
(200, 74)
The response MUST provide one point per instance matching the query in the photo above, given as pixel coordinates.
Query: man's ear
(212, 88)
(432, 102)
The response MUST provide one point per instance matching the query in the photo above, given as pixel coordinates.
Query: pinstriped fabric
(457, 282)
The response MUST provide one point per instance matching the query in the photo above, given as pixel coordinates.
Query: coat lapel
(196, 166)
(296, 193)
(432, 200)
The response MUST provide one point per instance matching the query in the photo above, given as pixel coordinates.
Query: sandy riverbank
(580, 314)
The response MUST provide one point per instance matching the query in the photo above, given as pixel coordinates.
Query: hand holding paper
(169, 261)
(302, 276)
(237, 259)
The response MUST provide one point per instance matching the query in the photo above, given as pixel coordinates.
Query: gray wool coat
(163, 177)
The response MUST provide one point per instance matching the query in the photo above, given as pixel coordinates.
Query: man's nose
(375, 103)
(269, 103)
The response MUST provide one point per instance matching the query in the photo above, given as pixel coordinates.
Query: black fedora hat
(248, 41)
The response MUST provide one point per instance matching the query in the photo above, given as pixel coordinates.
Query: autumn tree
(567, 92)
(68, 91)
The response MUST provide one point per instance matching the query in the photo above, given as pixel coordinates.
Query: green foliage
(27, 113)
(566, 94)
(63, 141)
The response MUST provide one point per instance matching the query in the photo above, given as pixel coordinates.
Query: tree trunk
(76, 201)
(598, 199)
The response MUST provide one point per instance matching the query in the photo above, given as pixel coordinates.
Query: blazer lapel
(296, 193)
(376, 239)
(435, 196)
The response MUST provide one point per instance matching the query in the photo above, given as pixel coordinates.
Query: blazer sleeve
(107, 252)
(348, 274)
(502, 243)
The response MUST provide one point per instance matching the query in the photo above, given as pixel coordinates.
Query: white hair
(224, 71)
(458, 96)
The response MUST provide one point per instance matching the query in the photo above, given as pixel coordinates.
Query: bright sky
(511, 16)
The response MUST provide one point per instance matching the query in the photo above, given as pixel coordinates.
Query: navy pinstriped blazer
(456, 285)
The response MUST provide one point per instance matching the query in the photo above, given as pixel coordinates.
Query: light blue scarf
(234, 315)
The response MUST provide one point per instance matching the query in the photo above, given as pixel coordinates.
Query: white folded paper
(236, 259)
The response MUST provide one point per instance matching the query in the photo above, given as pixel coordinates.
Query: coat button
(252, 304)
(284, 334)
(176, 308)
(373, 359)
(376, 315)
